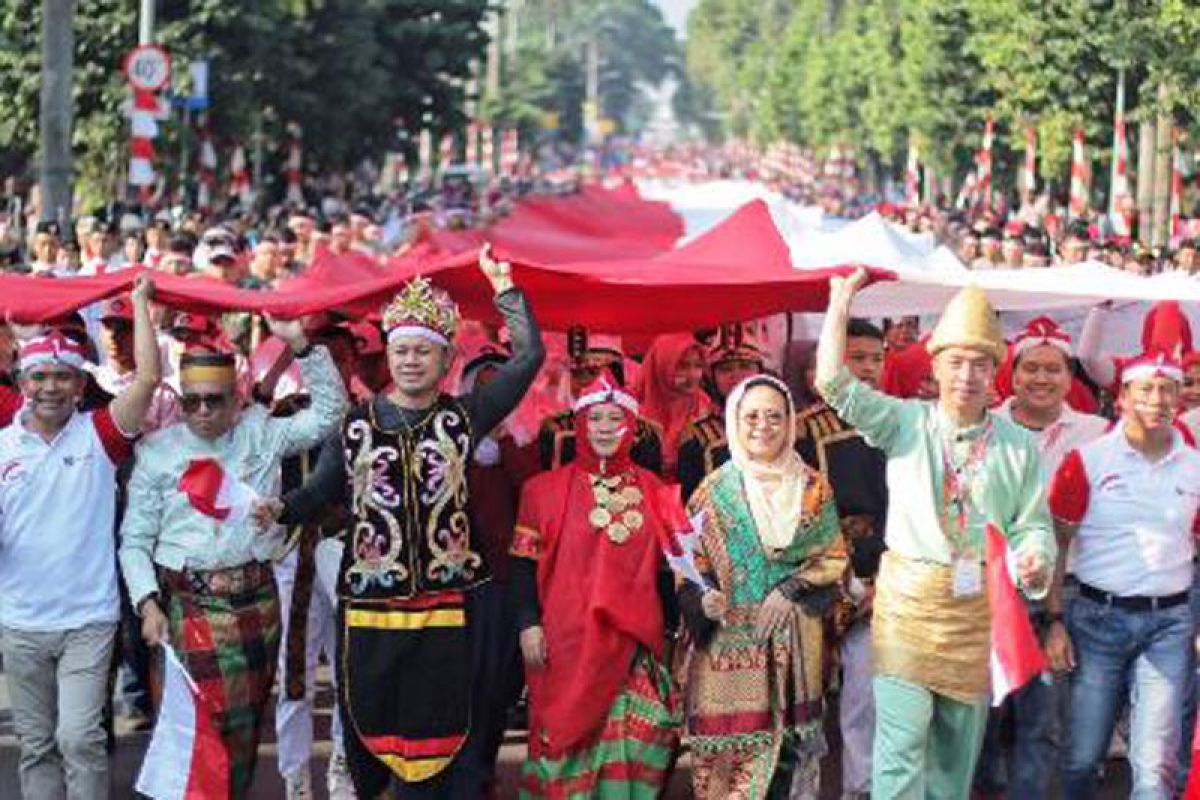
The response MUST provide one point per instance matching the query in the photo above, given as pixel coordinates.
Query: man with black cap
(703, 446)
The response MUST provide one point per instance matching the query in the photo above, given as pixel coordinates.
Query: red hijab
(661, 401)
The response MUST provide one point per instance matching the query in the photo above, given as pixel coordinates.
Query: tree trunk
(56, 109)
(1163, 162)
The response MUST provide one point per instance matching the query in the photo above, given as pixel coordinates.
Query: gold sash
(922, 633)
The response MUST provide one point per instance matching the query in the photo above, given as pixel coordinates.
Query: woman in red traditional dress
(590, 579)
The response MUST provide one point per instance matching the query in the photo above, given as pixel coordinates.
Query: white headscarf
(774, 489)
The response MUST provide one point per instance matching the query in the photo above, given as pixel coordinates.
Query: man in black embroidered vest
(404, 591)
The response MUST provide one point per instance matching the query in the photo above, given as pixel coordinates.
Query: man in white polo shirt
(1041, 379)
(1129, 500)
(58, 571)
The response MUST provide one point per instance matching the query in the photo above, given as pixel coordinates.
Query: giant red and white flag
(1017, 656)
(186, 759)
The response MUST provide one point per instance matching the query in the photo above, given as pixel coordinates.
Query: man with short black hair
(59, 603)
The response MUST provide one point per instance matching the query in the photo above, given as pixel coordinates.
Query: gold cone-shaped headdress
(969, 321)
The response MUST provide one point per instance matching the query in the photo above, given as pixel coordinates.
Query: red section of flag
(1017, 656)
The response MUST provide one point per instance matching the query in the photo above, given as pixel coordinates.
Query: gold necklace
(617, 510)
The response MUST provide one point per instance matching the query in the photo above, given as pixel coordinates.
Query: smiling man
(953, 470)
(59, 602)
(1129, 501)
(407, 607)
(1041, 379)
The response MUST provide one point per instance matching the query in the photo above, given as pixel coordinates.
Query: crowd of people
(706, 542)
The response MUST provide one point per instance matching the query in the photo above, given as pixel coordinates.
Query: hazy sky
(676, 12)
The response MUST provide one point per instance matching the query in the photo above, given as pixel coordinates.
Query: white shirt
(1072, 430)
(1135, 517)
(58, 568)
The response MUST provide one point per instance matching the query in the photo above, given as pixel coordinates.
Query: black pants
(497, 682)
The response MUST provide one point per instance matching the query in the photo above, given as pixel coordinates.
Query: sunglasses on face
(191, 402)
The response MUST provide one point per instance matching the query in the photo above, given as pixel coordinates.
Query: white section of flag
(186, 759)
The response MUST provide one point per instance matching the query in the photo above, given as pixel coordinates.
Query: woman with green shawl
(772, 555)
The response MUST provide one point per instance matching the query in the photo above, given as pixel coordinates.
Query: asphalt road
(268, 786)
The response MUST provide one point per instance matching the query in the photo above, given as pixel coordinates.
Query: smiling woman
(772, 552)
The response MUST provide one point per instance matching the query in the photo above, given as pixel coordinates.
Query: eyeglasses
(754, 420)
(191, 402)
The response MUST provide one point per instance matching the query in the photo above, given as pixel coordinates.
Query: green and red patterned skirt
(631, 757)
(225, 627)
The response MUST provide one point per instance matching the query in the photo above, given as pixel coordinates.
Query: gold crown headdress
(420, 309)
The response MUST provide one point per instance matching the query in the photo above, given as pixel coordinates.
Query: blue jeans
(1140, 657)
(1033, 711)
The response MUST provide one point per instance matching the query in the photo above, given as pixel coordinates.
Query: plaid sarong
(630, 757)
(229, 642)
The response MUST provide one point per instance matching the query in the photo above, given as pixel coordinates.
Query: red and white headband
(53, 348)
(1149, 366)
(605, 390)
(1039, 332)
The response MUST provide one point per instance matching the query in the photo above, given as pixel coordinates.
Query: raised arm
(831, 347)
(309, 426)
(490, 404)
(129, 408)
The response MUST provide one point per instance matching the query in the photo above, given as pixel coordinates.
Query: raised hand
(290, 330)
(498, 273)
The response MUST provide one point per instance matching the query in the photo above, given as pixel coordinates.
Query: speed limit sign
(148, 67)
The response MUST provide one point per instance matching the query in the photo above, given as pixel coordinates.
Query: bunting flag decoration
(239, 177)
(295, 162)
(186, 758)
(1017, 656)
(1119, 184)
(912, 177)
(1029, 186)
(1176, 186)
(207, 177)
(1079, 177)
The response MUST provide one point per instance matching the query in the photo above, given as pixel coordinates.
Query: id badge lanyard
(958, 509)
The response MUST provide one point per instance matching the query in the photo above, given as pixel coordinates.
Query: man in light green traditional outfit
(953, 470)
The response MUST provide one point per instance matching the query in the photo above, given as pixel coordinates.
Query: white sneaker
(298, 785)
(337, 778)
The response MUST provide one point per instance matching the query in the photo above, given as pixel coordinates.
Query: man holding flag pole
(938, 649)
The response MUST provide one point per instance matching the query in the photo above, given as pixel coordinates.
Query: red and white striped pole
(473, 143)
(510, 152)
(983, 184)
(295, 165)
(489, 148)
(1176, 186)
(446, 151)
(1119, 185)
(239, 177)
(1079, 183)
(144, 130)
(208, 172)
(1029, 179)
(912, 177)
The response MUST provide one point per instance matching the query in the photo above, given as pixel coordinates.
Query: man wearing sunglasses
(59, 603)
(198, 570)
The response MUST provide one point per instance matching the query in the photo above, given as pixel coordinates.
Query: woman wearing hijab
(773, 555)
(588, 575)
(671, 391)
